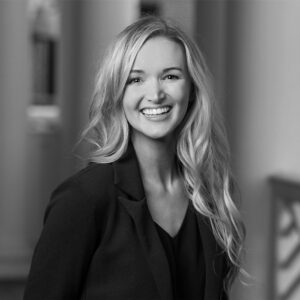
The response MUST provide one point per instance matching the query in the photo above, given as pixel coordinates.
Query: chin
(159, 136)
(161, 133)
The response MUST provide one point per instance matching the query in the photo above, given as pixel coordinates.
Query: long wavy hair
(202, 148)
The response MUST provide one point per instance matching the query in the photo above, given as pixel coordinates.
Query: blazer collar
(128, 179)
(214, 258)
(127, 174)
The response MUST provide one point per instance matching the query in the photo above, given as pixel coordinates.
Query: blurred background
(49, 54)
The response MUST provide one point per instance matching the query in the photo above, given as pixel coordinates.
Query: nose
(154, 91)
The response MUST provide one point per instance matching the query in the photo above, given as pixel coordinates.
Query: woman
(153, 216)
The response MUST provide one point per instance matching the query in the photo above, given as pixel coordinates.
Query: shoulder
(92, 180)
(88, 189)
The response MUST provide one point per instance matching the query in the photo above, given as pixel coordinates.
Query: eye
(133, 80)
(171, 77)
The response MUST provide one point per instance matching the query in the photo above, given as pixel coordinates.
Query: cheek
(184, 99)
(129, 109)
(125, 109)
(127, 113)
(126, 102)
(130, 100)
(181, 92)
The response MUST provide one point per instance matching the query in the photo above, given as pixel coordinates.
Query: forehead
(160, 52)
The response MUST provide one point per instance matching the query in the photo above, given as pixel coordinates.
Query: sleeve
(65, 247)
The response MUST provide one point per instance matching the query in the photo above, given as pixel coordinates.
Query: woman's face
(157, 92)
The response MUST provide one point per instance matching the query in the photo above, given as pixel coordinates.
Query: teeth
(155, 111)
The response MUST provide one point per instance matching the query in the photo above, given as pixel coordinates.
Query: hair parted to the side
(202, 148)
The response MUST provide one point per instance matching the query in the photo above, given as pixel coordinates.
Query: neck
(157, 160)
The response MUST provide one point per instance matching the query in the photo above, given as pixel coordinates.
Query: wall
(263, 108)
(15, 91)
(15, 85)
(210, 34)
(183, 12)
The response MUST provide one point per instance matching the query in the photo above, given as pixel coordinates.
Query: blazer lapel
(213, 260)
(128, 180)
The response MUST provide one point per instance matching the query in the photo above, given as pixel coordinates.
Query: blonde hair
(202, 148)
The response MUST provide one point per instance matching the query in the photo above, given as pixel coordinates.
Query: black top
(186, 258)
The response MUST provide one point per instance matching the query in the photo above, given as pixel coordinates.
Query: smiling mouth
(156, 111)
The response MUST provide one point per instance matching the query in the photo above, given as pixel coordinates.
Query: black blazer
(100, 242)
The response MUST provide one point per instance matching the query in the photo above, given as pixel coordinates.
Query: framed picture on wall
(285, 244)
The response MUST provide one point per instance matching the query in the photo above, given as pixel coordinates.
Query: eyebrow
(172, 69)
(164, 70)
